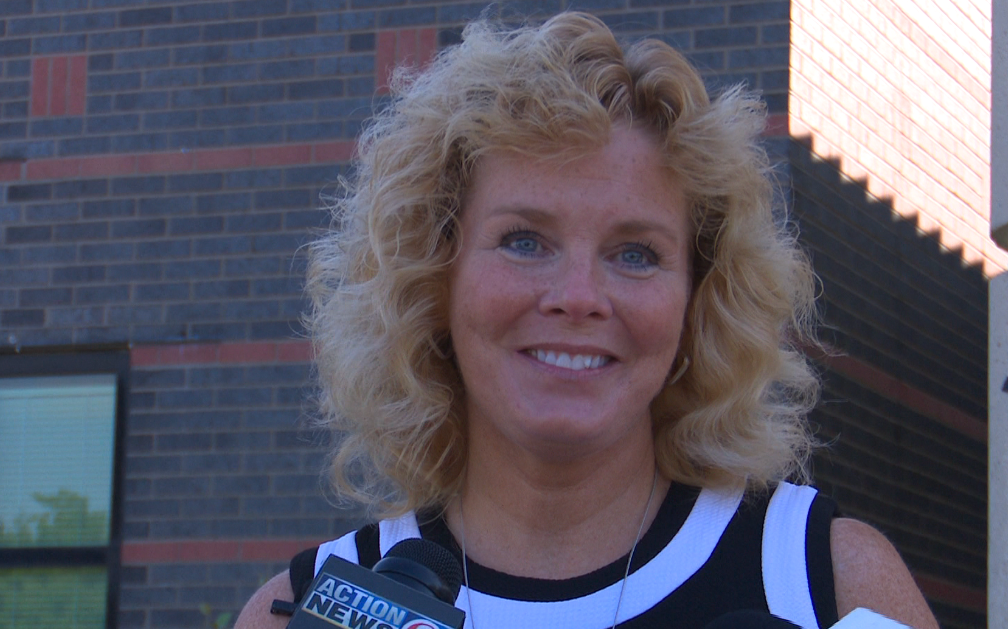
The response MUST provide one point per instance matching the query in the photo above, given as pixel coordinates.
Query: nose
(576, 290)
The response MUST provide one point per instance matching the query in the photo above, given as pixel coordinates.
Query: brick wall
(160, 167)
(900, 92)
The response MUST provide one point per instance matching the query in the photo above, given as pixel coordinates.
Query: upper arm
(868, 572)
(256, 613)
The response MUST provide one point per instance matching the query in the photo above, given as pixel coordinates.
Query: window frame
(78, 362)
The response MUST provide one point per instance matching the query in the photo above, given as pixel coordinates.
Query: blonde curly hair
(378, 279)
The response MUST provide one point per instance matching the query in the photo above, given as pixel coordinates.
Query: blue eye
(523, 243)
(637, 256)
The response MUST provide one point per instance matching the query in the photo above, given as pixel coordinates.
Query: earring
(679, 372)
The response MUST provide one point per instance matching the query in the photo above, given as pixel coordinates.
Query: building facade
(163, 163)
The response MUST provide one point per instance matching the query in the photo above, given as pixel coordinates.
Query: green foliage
(222, 621)
(67, 522)
(71, 598)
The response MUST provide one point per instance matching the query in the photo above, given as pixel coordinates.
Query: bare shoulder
(868, 572)
(256, 613)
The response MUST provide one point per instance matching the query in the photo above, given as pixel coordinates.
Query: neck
(530, 517)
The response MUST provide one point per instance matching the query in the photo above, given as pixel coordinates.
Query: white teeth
(577, 362)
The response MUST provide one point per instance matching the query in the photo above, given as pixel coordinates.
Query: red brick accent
(173, 162)
(776, 125)
(77, 88)
(164, 162)
(108, 165)
(223, 159)
(333, 151)
(10, 171)
(59, 85)
(204, 353)
(974, 599)
(283, 155)
(407, 46)
(881, 382)
(54, 168)
(202, 551)
(40, 87)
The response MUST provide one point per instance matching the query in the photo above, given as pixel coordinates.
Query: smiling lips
(564, 360)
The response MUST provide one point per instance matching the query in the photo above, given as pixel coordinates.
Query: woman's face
(568, 294)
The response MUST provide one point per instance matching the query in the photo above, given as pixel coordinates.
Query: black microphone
(413, 587)
(749, 619)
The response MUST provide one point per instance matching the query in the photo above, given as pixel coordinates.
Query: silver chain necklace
(626, 573)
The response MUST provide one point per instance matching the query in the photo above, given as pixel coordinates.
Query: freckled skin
(588, 256)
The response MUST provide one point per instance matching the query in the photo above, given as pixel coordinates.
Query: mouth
(575, 362)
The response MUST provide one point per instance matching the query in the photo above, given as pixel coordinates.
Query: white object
(862, 618)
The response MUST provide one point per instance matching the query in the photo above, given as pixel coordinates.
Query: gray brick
(30, 192)
(13, 130)
(317, 45)
(306, 132)
(83, 146)
(195, 182)
(278, 242)
(28, 150)
(177, 574)
(196, 225)
(15, 110)
(251, 310)
(147, 597)
(306, 527)
(210, 507)
(192, 312)
(118, 39)
(123, 315)
(193, 269)
(152, 464)
(134, 59)
(15, 47)
(213, 376)
(172, 35)
(242, 441)
(22, 318)
(157, 378)
(184, 398)
(320, 6)
(759, 12)
(245, 223)
(101, 63)
(56, 44)
(101, 294)
(47, 254)
(117, 208)
(226, 116)
(255, 135)
(224, 245)
(49, 212)
(229, 73)
(136, 487)
(244, 397)
(240, 527)
(286, 26)
(138, 185)
(270, 462)
(203, 12)
(230, 30)
(112, 124)
(200, 97)
(114, 82)
(208, 463)
(92, 316)
(413, 16)
(78, 274)
(162, 291)
(34, 233)
(694, 16)
(16, 7)
(300, 484)
(262, 49)
(284, 329)
(723, 37)
(107, 251)
(255, 93)
(141, 400)
(100, 20)
(275, 374)
(358, 86)
(173, 77)
(99, 104)
(775, 33)
(760, 57)
(253, 179)
(160, 508)
(361, 42)
(347, 64)
(198, 55)
(10, 214)
(94, 336)
(41, 297)
(145, 17)
(170, 119)
(257, 8)
(221, 288)
(242, 485)
(160, 249)
(197, 139)
(141, 100)
(158, 334)
(286, 69)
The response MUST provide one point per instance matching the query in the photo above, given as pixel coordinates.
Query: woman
(556, 326)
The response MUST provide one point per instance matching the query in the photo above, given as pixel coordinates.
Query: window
(60, 443)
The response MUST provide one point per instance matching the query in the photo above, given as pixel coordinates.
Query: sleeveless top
(708, 552)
